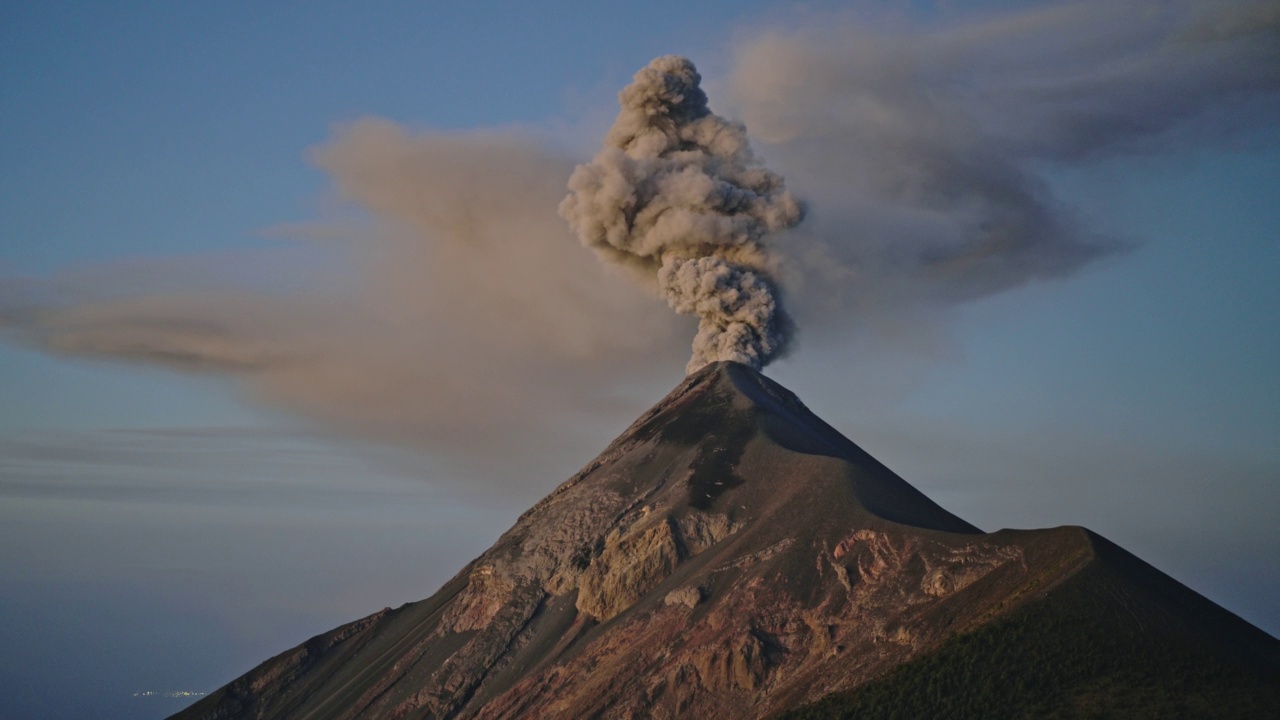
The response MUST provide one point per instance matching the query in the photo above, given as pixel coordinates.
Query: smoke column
(677, 196)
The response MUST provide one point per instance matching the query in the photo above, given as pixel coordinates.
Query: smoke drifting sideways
(452, 312)
(926, 154)
(677, 195)
(466, 316)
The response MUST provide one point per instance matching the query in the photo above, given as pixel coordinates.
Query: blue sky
(199, 519)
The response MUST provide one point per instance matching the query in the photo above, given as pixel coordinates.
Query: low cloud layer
(465, 316)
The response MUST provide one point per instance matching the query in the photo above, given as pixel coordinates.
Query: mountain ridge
(729, 555)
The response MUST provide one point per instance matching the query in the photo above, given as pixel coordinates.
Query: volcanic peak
(734, 415)
(730, 555)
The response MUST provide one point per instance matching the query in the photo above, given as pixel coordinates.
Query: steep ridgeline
(729, 556)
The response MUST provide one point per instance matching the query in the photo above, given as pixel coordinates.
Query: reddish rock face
(729, 556)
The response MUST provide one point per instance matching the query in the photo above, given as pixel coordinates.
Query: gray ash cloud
(678, 197)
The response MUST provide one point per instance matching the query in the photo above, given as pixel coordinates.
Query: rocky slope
(729, 556)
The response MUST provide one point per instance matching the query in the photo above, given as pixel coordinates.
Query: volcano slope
(732, 556)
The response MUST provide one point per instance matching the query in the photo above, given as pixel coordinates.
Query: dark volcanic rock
(729, 556)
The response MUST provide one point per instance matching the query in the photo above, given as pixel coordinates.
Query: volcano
(732, 556)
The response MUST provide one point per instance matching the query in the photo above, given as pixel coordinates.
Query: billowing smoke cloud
(678, 196)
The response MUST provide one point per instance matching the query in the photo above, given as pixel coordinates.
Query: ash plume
(456, 311)
(678, 197)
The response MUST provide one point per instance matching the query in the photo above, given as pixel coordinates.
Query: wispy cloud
(925, 152)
